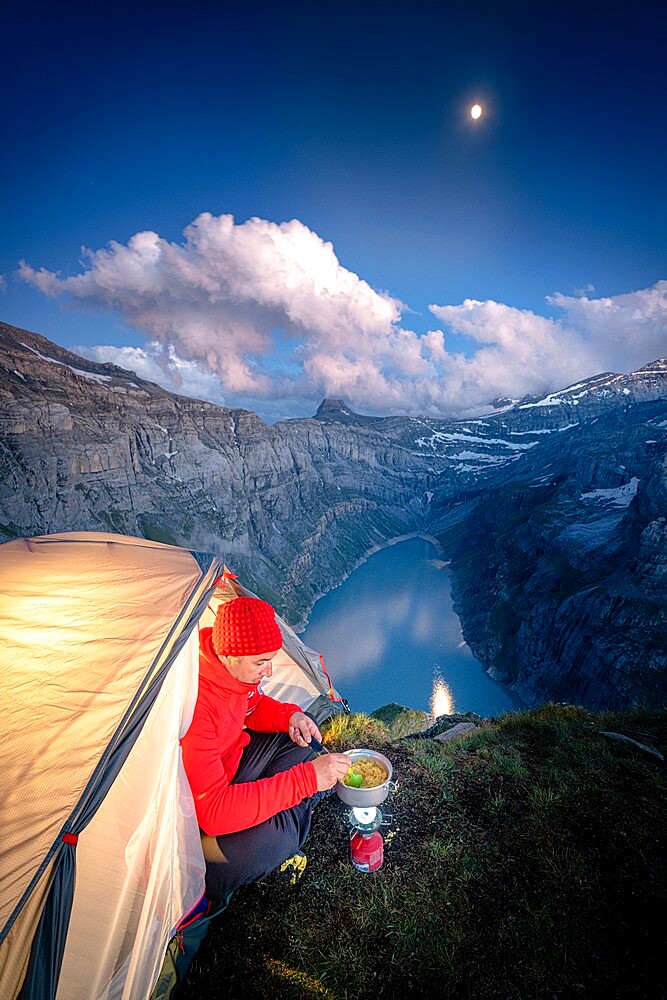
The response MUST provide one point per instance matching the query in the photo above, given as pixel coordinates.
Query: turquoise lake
(389, 632)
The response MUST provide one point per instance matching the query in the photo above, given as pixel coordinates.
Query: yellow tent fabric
(87, 623)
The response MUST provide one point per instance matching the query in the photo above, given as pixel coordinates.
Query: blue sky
(338, 140)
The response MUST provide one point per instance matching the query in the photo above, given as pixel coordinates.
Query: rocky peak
(654, 367)
(330, 407)
(338, 410)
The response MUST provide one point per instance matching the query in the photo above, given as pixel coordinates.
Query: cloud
(629, 330)
(162, 366)
(219, 296)
(517, 351)
(263, 315)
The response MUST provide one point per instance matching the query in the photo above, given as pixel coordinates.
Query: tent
(100, 857)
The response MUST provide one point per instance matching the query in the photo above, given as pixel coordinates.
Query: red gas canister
(366, 850)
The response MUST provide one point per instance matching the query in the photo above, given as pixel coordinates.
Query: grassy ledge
(524, 859)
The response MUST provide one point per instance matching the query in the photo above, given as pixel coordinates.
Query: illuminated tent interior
(100, 856)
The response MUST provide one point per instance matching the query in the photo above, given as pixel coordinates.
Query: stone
(458, 730)
(622, 738)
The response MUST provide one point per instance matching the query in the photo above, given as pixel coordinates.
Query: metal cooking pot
(362, 798)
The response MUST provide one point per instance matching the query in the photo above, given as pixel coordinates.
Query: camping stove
(364, 817)
(366, 842)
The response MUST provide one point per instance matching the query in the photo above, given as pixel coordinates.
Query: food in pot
(372, 774)
(354, 779)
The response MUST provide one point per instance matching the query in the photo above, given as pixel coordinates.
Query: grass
(401, 721)
(345, 731)
(523, 860)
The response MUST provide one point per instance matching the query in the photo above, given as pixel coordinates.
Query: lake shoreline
(303, 624)
(391, 634)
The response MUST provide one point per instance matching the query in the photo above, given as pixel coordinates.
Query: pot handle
(392, 786)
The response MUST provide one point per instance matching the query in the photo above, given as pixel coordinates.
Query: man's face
(251, 669)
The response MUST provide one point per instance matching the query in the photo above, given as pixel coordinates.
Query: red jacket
(213, 745)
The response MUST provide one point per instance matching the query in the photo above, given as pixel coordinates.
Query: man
(253, 787)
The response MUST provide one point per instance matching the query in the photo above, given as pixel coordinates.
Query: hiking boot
(292, 869)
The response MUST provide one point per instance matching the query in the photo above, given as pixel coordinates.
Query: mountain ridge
(552, 512)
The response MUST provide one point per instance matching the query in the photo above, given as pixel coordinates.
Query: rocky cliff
(90, 446)
(553, 511)
(560, 572)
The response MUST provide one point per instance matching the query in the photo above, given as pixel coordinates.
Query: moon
(476, 111)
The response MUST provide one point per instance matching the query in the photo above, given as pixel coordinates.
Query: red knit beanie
(245, 626)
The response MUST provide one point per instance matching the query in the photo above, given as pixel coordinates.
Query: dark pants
(235, 859)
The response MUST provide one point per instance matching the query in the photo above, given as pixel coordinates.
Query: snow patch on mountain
(77, 371)
(444, 436)
(545, 430)
(620, 496)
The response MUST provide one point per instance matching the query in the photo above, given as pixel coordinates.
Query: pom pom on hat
(245, 626)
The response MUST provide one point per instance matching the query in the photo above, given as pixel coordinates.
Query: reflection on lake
(389, 632)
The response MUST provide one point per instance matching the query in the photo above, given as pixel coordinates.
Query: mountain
(296, 505)
(560, 572)
(553, 511)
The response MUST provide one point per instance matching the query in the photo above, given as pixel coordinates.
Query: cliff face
(560, 576)
(553, 511)
(90, 446)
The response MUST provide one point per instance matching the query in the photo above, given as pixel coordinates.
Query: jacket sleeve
(270, 716)
(226, 808)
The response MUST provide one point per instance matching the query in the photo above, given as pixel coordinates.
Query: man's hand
(329, 768)
(302, 729)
